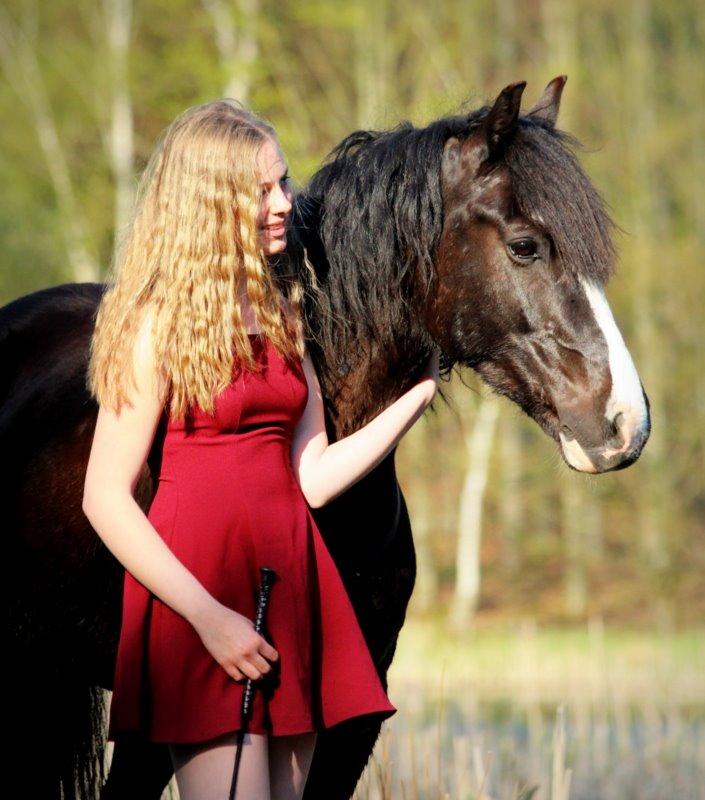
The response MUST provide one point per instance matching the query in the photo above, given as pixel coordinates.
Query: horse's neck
(356, 398)
(371, 382)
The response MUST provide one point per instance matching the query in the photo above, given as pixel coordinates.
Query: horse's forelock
(550, 187)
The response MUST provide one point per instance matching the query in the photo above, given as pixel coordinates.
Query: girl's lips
(276, 230)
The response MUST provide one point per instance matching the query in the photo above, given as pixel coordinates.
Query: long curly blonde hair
(189, 251)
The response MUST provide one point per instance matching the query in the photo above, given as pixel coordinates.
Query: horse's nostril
(616, 430)
(617, 422)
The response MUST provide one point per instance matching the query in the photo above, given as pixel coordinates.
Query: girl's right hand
(234, 643)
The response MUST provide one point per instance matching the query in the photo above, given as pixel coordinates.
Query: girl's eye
(267, 188)
(523, 248)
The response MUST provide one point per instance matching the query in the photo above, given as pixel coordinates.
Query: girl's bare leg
(289, 761)
(204, 770)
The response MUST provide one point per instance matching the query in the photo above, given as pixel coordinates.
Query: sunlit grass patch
(580, 714)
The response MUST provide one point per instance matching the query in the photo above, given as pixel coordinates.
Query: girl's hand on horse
(430, 374)
(234, 643)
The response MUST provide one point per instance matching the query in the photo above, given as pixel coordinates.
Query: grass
(528, 664)
(536, 757)
(526, 713)
(587, 714)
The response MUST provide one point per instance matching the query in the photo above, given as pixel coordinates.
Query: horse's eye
(523, 248)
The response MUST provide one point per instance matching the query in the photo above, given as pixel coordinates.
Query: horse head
(521, 265)
(481, 234)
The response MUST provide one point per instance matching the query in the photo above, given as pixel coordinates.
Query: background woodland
(505, 532)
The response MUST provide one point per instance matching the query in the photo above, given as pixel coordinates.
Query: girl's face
(275, 198)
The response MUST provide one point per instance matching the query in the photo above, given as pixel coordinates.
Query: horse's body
(417, 237)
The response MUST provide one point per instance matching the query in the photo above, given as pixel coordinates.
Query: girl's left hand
(430, 374)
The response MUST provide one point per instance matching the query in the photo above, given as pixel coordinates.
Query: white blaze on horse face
(575, 455)
(626, 397)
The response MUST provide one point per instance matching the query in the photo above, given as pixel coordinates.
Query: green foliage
(634, 96)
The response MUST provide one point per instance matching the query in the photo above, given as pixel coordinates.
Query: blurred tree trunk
(120, 139)
(235, 31)
(19, 63)
(478, 444)
(648, 228)
(580, 524)
(510, 497)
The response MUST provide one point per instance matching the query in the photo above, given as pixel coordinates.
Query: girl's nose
(280, 201)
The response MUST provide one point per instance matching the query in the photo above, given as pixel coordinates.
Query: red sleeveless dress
(228, 502)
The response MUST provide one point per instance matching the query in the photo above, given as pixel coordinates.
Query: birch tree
(478, 441)
(235, 33)
(18, 59)
(117, 18)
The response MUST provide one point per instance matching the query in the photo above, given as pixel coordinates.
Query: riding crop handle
(267, 576)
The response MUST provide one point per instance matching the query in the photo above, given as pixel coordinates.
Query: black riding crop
(267, 579)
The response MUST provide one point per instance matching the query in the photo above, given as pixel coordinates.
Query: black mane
(372, 216)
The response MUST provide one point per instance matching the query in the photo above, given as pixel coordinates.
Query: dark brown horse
(479, 233)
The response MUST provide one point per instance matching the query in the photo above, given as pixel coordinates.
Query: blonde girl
(198, 361)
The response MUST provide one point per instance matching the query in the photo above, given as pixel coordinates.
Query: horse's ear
(462, 158)
(546, 107)
(501, 120)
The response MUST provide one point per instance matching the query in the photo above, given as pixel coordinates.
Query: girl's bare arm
(121, 444)
(326, 470)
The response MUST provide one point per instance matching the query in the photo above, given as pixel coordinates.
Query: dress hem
(220, 730)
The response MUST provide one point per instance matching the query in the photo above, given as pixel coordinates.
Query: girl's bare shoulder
(149, 373)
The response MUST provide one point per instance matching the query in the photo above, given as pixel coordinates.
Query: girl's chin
(272, 246)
